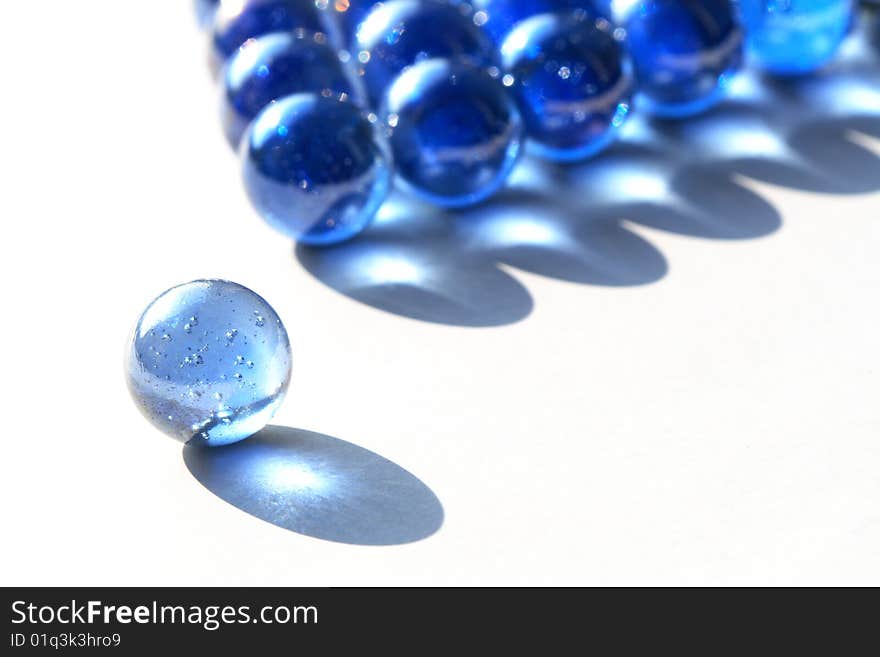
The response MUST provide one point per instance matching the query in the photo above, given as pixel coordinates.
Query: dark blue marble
(399, 33)
(684, 53)
(236, 21)
(278, 65)
(456, 133)
(498, 17)
(570, 78)
(315, 168)
(791, 37)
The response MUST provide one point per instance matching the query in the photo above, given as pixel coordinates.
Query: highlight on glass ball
(209, 362)
(350, 14)
(684, 53)
(455, 132)
(571, 81)
(792, 37)
(315, 168)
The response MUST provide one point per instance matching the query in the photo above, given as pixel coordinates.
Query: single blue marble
(315, 168)
(498, 17)
(570, 78)
(205, 10)
(236, 21)
(277, 65)
(791, 37)
(400, 33)
(456, 133)
(209, 362)
(684, 53)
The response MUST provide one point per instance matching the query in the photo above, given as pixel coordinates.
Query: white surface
(717, 426)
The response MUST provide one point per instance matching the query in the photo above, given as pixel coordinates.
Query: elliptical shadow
(547, 236)
(659, 186)
(410, 263)
(319, 486)
(448, 267)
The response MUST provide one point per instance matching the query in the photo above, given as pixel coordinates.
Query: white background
(716, 425)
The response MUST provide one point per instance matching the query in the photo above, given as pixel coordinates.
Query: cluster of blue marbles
(330, 102)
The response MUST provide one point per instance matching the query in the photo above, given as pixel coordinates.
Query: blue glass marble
(236, 21)
(498, 17)
(205, 10)
(569, 76)
(399, 33)
(456, 133)
(684, 53)
(315, 168)
(278, 65)
(209, 362)
(791, 37)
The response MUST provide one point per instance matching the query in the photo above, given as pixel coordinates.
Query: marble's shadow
(801, 132)
(447, 267)
(832, 146)
(647, 180)
(820, 154)
(410, 263)
(545, 234)
(319, 486)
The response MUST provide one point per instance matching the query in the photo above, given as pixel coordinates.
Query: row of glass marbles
(322, 97)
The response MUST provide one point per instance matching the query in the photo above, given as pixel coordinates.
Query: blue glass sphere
(571, 82)
(209, 361)
(236, 21)
(315, 168)
(791, 37)
(400, 33)
(456, 133)
(498, 17)
(684, 53)
(278, 65)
